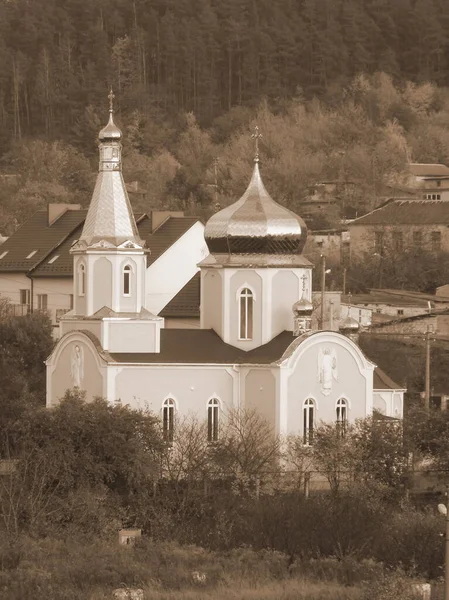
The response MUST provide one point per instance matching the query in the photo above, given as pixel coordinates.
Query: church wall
(61, 378)
(260, 394)
(303, 383)
(212, 300)
(286, 291)
(240, 279)
(102, 284)
(123, 336)
(92, 326)
(171, 271)
(80, 302)
(147, 387)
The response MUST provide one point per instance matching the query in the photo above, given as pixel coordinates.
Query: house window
(81, 280)
(42, 301)
(398, 241)
(436, 240)
(54, 259)
(71, 301)
(309, 417)
(24, 297)
(31, 254)
(246, 314)
(168, 420)
(417, 238)
(400, 311)
(342, 414)
(379, 242)
(432, 196)
(213, 412)
(127, 280)
(3, 254)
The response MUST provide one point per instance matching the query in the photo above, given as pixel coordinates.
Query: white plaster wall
(11, 283)
(354, 383)
(146, 387)
(92, 326)
(181, 323)
(212, 300)
(131, 336)
(59, 369)
(171, 271)
(102, 283)
(286, 290)
(260, 393)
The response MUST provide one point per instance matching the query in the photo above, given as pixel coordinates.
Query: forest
(344, 91)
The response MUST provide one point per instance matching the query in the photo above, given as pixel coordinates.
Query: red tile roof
(407, 212)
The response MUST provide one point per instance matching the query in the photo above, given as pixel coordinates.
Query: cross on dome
(111, 97)
(256, 136)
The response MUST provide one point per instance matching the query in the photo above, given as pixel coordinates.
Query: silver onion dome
(302, 307)
(255, 224)
(110, 132)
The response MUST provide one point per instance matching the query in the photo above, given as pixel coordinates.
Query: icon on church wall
(77, 366)
(327, 369)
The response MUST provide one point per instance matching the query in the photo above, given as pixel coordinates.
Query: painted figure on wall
(327, 369)
(77, 366)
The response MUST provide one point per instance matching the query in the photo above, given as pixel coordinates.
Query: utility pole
(427, 384)
(323, 288)
(344, 281)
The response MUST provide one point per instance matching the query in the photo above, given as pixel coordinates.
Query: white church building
(255, 347)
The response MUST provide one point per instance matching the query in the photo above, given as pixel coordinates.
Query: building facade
(255, 347)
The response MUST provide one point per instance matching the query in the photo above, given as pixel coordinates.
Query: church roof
(205, 347)
(255, 224)
(186, 303)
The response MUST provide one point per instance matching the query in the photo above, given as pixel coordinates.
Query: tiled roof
(166, 235)
(428, 170)
(381, 381)
(384, 298)
(204, 346)
(407, 212)
(56, 240)
(186, 303)
(36, 234)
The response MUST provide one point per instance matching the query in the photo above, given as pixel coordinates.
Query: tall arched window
(246, 314)
(81, 280)
(309, 418)
(127, 280)
(342, 414)
(168, 419)
(213, 416)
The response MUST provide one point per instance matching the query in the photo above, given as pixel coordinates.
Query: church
(255, 348)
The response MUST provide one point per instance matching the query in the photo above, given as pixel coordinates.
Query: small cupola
(350, 328)
(255, 224)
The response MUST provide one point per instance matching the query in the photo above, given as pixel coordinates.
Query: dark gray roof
(186, 303)
(407, 212)
(429, 170)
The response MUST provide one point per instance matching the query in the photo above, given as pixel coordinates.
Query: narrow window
(42, 301)
(436, 240)
(398, 241)
(309, 417)
(168, 420)
(379, 242)
(342, 414)
(417, 238)
(246, 314)
(81, 280)
(25, 297)
(71, 301)
(127, 280)
(213, 411)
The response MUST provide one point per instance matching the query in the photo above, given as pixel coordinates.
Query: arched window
(309, 418)
(81, 280)
(246, 314)
(168, 419)
(127, 280)
(342, 414)
(213, 415)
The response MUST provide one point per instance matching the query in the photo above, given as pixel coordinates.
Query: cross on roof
(111, 97)
(304, 279)
(256, 136)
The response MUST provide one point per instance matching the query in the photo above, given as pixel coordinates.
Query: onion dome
(255, 224)
(302, 307)
(350, 325)
(110, 132)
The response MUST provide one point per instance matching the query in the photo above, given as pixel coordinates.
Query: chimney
(57, 209)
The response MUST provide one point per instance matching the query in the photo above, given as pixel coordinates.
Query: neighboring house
(36, 267)
(431, 180)
(255, 347)
(360, 313)
(402, 224)
(389, 304)
(333, 243)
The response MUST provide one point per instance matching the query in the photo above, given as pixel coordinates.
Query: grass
(85, 569)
